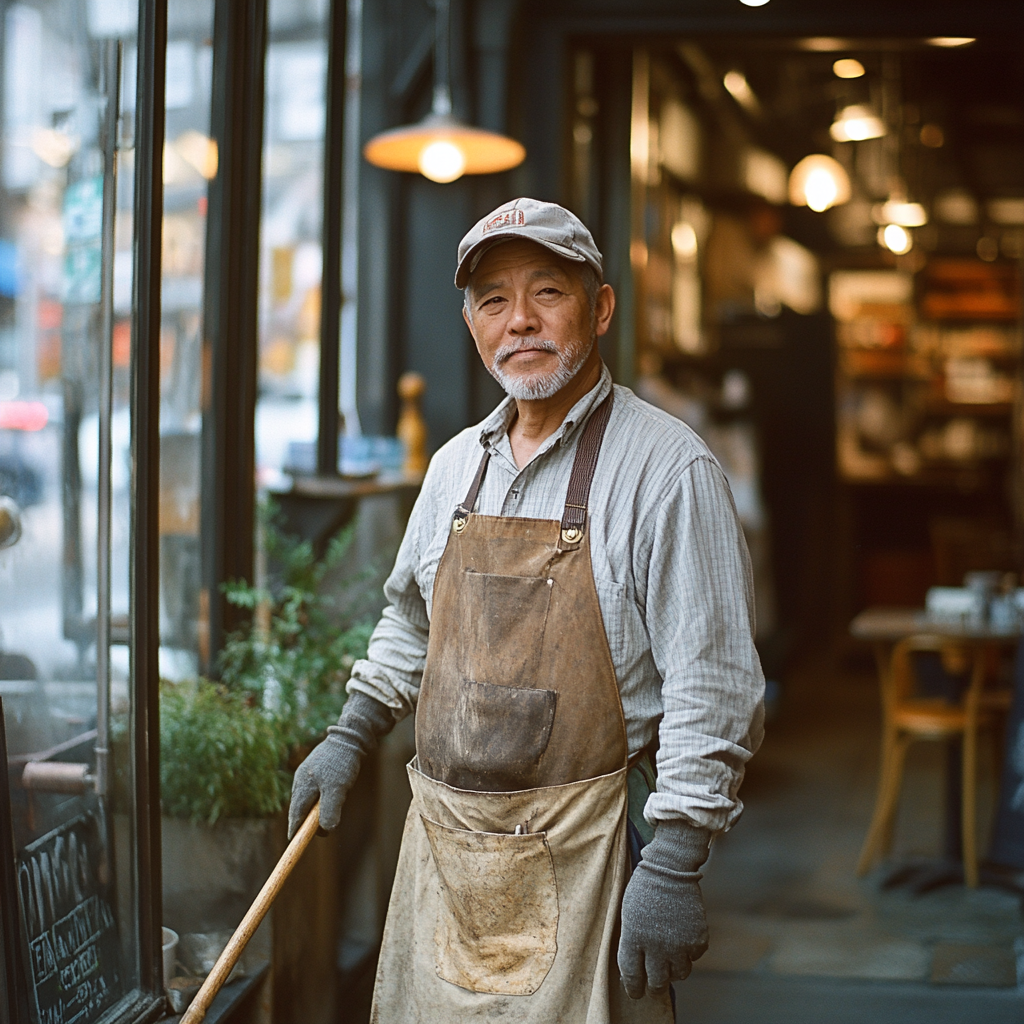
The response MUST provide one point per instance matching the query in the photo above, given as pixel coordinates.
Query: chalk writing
(70, 930)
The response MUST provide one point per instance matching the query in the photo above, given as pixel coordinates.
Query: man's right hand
(331, 768)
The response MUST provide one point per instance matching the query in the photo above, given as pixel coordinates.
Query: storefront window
(66, 188)
(190, 162)
(291, 257)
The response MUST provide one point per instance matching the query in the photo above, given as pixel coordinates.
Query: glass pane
(64, 362)
(291, 257)
(190, 161)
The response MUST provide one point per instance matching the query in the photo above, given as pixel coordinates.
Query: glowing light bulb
(895, 239)
(950, 42)
(857, 123)
(684, 241)
(753, 3)
(442, 161)
(820, 182)
(848, 68)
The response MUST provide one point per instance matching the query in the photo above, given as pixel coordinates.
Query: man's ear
(604, 308)
(469, 320)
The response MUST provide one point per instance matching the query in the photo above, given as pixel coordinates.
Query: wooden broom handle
(253, 916)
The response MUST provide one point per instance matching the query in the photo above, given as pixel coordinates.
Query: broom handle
(254, 915)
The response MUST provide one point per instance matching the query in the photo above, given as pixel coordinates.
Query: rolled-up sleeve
(700, 618)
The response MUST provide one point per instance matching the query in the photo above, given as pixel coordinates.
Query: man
(573, 574)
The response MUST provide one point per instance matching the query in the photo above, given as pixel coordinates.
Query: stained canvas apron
(513, 863)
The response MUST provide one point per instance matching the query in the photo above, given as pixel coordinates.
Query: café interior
(229, 344)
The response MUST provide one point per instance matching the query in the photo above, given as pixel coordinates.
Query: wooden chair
(907, 717)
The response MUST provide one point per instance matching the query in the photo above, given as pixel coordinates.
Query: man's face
(531, 319)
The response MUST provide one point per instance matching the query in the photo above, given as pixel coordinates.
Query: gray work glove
(332, 766)
(663, 923)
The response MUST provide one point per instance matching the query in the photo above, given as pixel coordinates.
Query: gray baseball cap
(548, 224)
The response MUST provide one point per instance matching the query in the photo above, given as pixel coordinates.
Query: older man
(573, 590)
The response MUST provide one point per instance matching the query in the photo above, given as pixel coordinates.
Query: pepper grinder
(412, 429)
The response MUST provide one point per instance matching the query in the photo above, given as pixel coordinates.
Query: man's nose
(524, 319)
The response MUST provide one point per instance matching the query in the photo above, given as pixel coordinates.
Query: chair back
(959, 658)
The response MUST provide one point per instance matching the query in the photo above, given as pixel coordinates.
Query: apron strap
(574, 517)
(462, 511)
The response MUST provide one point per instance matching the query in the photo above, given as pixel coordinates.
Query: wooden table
(883, 628)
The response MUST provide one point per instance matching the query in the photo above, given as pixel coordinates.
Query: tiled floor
(787, 914)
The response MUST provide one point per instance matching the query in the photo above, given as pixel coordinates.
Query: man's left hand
(663, 923)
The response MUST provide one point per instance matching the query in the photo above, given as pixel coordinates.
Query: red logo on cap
(511, 219)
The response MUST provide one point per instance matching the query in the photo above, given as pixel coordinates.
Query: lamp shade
(443, 149)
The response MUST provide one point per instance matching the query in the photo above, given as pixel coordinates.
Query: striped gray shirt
(673, 580)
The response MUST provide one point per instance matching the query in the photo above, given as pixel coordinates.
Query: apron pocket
(498, 736)
(497, 917)
(503, 624)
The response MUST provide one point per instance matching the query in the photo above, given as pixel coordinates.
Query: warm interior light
(950, 41)
(897, 211)
(932, 136)
(739, 89)
(753, 3)
(199, 152)
(847, 67)
(857, 123)
(433, 146)
(684, 241)
(820, 182)
(823, 44)
(895, 238)
(442, 161)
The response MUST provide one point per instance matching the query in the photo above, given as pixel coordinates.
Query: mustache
(506, 352)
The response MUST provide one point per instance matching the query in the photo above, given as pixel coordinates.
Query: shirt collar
(496, 425)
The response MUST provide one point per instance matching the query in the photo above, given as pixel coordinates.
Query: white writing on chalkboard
(71, 933)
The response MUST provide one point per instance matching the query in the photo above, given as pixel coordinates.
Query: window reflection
(60, 341)
(291, 256)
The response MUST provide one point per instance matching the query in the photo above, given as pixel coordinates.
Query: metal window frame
(330, 287)
(145, 449)
(230, 316)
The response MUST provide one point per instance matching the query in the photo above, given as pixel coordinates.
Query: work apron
(514, 858)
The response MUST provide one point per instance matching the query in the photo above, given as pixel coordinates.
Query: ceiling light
(950, 42)
(1006, 211)
(847, 67)
(441, 147)
(898, 211)
(442, 161)
(956, 206)
(739, 89)
(753, 3)
(823, 44)
(857, 123)
(820, 182)
(895, 238)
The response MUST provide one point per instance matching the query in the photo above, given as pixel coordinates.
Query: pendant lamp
(440, 147)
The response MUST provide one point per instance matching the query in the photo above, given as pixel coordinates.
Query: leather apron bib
(514, 858)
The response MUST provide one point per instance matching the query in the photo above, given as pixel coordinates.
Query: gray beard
(537, 386)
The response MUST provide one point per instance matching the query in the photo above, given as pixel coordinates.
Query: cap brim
(472, 258)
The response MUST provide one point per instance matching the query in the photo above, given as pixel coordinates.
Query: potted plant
(228, 748)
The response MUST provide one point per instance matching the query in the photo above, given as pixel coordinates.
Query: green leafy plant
(296, 655)
(221, 755)
(226, 747)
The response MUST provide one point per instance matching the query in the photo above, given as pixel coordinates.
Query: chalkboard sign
(73, 953)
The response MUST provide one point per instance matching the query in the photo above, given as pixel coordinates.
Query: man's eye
(492, 301)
